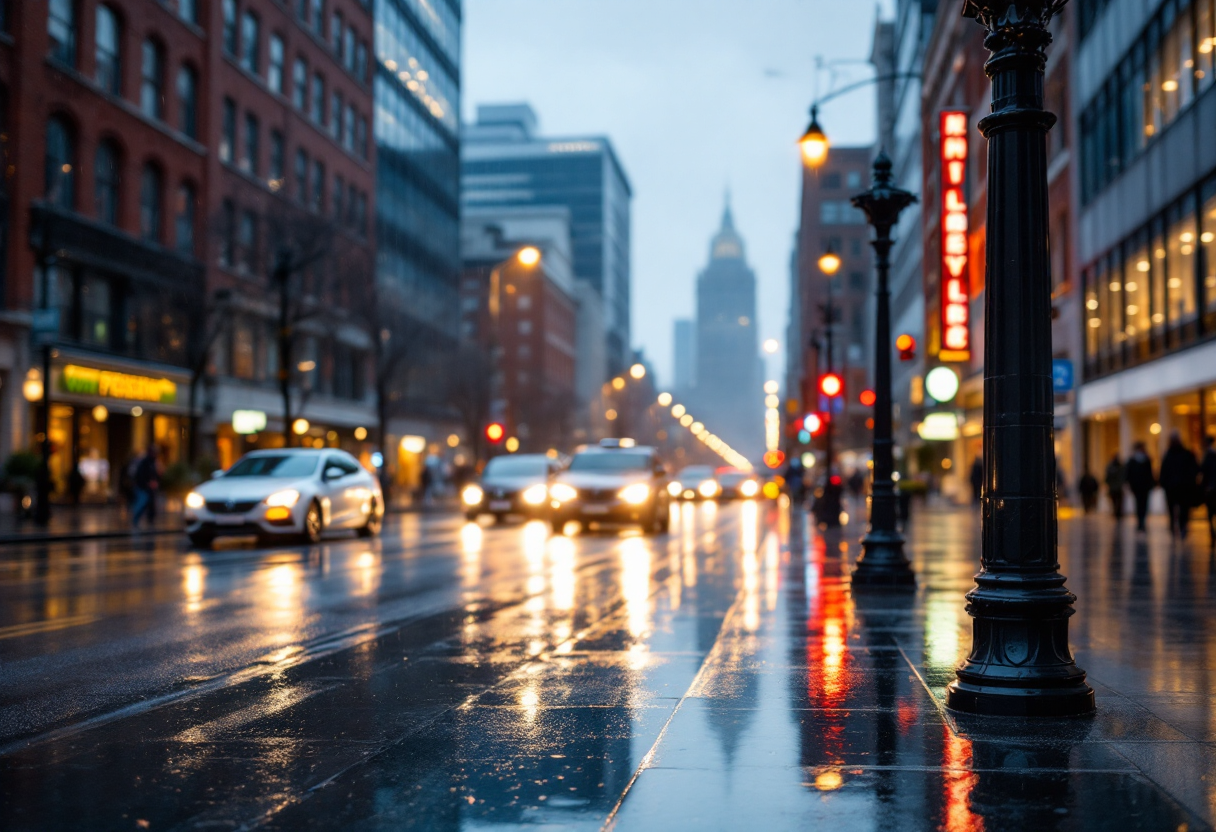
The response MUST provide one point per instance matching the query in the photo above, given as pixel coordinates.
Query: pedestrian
(1179, 478)
(1116, 478)
(76, 483)
(977, 479)
(1141, 481)
(1207, 471)
(146, 479)
(795, 483)
(857, 484)
(427, 480)
(1088, 489)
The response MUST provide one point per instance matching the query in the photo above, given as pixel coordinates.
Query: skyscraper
(729, 395)
(505, 163)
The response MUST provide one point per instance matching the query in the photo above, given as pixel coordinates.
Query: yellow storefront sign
(87, 381)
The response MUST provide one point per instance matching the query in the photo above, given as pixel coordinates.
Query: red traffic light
(495, 432)
(813, 423)
(867, 398)
(831, 385)
(906, 345)
(773, 459)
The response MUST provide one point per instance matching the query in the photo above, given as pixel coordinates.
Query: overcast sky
(696, 95)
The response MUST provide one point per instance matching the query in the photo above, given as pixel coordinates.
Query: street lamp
(814, 142)
(827, 507)
(882, 561)
(1020, 663)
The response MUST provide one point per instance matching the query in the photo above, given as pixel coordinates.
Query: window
(187, 101)
(227, 233)
(106, 182)
(274, 68)
(61, 27)
(348, 133)
(109, 67)
(183, 219)
(251, 38)
(248, 240)
(352, 200)
(361, 213)
(317, 113)
(230, 33)
(348, 49)
(853, 179)
(150, 204)
(243, 362)
(361, 62)
(1208, 238)
(339, 190)
(249, 161)
(1181, 243)
(318, 185)
(302, 10)
(60, 164)
(228, 131)
(335, 116)
(187, 10)
(335, 33)
(318, 17)
(276, 160)
(151, 70)
(299, 84)
(830, 181)
(95, 310)
(361, 137)
(301, 176)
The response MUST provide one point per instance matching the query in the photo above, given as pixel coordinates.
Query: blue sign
(1061, 375)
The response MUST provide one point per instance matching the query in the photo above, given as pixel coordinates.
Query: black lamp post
(882, 562)
(1020, 663)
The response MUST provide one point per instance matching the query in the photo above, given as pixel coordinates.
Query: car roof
(294, 451)
(596, 449)
(524, 456)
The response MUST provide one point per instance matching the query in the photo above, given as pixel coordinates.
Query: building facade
(1142, 78)
(506, 162)
(729, 394)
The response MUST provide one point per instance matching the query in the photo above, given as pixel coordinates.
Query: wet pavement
(454, 676)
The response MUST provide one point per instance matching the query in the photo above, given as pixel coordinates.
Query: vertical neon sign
(956, 288)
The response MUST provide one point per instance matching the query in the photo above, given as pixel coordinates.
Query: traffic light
(495, 432)
(773, 459)
(813, 423)
(831, 385)
(867, 398)
(906, 345)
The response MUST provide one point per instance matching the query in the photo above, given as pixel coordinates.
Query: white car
(292, 492)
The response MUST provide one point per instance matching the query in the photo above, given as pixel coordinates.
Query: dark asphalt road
(386, 684)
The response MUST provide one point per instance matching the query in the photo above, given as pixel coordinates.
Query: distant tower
(729, 392)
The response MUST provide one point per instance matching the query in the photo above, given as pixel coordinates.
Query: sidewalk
(84, 522)
(817, 709)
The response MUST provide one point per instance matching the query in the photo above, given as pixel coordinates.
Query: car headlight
(635, 494)
(674, 488)
(535, 495)
(562, 492)
(749, 488)
(195, 500)
(709, 488)
(286, 499)
(472, 495)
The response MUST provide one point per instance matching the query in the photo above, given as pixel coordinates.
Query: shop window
(1208, 239)
(1135, 293)
(60, 164)
(1181, 242)
(151, 79)
(61, 28)
(95, 311)
(1205, 40)
(106, 178)
(108, 53)
(183, 221)
(151, 191)
(187, 101)
(1158, 308)
(1094, 317)
(60, 283)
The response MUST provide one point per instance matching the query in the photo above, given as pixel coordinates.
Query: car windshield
(274, 465)
(610, 462)
(517, 466)
(697, 472)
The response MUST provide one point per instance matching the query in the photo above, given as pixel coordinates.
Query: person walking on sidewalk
(1207, 473)
(1116, 478)
(1179, 478)
(1141, 481)
(1088, 488)
(146, 479)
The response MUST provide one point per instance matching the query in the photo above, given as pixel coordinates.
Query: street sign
(1061, 375)
(45, 325)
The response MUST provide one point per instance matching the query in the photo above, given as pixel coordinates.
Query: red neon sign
(956, 288)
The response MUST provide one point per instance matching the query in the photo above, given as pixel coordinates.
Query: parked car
(293, 493)
(514, 484)
(617, 481)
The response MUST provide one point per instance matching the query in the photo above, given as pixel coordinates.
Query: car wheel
(313, 524)
(201, 541)
(372, 527)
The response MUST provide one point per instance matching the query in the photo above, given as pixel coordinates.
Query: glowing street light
(814, 142)
(664, 399)
(637, 371)
(771, 346)
(528, 256)
(829, 262)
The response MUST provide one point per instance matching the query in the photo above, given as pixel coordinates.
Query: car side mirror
(334, 473)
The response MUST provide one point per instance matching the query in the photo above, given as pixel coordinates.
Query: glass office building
(417, 131)
(506, 164)
(1143, 81)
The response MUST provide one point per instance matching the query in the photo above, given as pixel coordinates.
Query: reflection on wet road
(444, 675)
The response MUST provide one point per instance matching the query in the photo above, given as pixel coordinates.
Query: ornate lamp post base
(883, 564)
